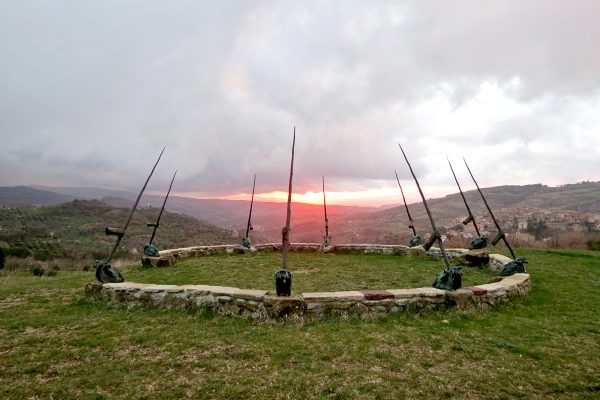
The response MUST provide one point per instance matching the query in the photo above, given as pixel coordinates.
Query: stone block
(157, 288)
(333, 296)
(417, 251)
(417, 292)
(498, 261)
(474, 258)
(161, 261)
(281, 306)
(477, 291)
(377, 294)
(460, 298)
(250, 294)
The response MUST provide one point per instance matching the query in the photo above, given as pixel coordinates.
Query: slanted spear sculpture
(480, 241)
(283, 277)
(249, 227)
(327, 237)
(149, 249)
(518, 265)
(104, 271)
(416, 239)
(451, 277)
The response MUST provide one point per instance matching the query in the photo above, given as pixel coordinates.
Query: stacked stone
(260, 304)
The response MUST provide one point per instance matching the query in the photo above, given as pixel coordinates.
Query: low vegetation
(55, 344)
(75, 231)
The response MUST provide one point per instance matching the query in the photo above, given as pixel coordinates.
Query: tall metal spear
(149, 248)
(480, 241)
(451, 277)
(246, 240)
(416, 239)
(121, 232)
(326, 238)
(500, 235)
(104, 271)
(283, 277)
(286, 231)
(436, 234)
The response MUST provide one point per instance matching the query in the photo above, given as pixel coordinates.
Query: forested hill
(76, 229)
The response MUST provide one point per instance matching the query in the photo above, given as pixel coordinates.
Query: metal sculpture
(451, 277)
(246, 240)
(149, 248)
(416, 239)
(283, 277)
(104, 271)
(480, 241)
(327, 237)
(518, 263)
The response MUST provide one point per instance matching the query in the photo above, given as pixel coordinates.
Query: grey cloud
(91, 91)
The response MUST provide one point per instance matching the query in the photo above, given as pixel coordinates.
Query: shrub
(593, 244)
(20, 252)
(51, 272)
(37, 270)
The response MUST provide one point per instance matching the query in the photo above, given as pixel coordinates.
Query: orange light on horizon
(367, 198)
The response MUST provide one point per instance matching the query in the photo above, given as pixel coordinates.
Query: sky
(91, 91)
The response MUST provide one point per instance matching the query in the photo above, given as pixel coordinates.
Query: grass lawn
(54, 344)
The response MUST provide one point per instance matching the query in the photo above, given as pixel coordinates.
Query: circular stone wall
(262, 304)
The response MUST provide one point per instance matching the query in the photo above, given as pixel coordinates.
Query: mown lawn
(54, 344)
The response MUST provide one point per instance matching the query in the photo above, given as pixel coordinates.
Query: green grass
(54, 344)
(312, 272)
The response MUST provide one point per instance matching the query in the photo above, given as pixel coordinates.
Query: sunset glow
(368, 198)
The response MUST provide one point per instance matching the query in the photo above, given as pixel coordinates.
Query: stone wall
(460, 256)
(262, 305)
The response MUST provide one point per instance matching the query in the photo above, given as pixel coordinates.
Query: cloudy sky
(90, 92)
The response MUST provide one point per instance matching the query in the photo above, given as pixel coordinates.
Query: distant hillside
(77, 229)
(18, 196)
(511, 204)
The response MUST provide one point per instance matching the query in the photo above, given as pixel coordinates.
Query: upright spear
(500, 234)
(286, 231)
(416, 239)
(121, 232)
(436, 233)
(283, 277)
(155, 225)
(327, 238)
(480, 241)
(246, 240)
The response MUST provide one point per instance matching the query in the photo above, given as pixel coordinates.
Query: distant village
(530, 225)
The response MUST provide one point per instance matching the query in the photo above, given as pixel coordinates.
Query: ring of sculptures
(263, 305)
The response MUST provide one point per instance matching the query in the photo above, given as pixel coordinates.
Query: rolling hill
(76, 230)
(512, 205)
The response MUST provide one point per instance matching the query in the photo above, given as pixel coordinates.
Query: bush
(593, 244)
(2, 258)
(51, 272)
(37, 270)
(20, 252)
